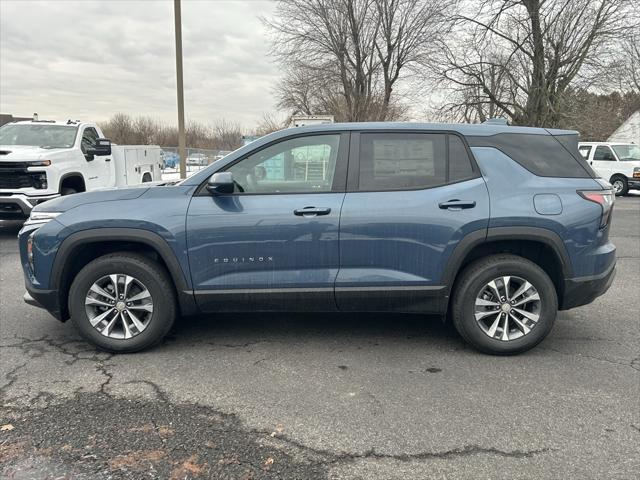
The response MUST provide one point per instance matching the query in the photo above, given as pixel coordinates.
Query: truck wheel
(504, 304)
(146, 177)
(620, 185)
(122, 302)
(67, 191)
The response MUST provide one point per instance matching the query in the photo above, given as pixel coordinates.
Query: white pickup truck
(618, 163)
(41, 160)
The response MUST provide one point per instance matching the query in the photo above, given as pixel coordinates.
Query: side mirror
(221, 182)
(102, 147)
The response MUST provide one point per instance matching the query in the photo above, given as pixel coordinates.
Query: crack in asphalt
(634, 363)
(12, 377)
(160, 393)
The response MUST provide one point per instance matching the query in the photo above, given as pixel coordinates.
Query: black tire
(151, 274)
(67, 191)
(146, 178)
(480, 273)
(624, 185)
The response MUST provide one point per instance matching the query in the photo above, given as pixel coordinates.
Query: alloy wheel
(119, 306)
(507, 308)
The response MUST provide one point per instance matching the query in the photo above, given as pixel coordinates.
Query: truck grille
(15, 175)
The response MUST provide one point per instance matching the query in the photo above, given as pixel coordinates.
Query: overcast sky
(89, 59)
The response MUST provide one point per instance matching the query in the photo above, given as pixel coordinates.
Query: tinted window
(459, 161)
(297, 165)
(543, 155)
(396, 161)
(603, 154)
(89, 137)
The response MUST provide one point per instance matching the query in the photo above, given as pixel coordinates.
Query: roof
(629, 131)
(69, 123)
(604, 143)
(482, 129)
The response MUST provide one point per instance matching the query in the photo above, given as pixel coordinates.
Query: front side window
(603, 154)
(296, 165)
(406, 161)
(89, 137)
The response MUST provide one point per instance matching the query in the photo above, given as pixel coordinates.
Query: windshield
(627, 152)
(44, 136)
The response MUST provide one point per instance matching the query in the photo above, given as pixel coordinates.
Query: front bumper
(633, 183)
(47, 299)
(583, 290)
(17, 206)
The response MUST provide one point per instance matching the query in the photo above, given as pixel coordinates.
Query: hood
(20, 153)
(63, 204)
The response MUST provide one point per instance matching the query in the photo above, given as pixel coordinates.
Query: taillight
(604, 198)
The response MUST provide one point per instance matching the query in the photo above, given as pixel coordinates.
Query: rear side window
(585, 151)
(542, 155)
(459, 161)
(406, 161)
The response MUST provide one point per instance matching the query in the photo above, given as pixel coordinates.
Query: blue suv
(499, 227)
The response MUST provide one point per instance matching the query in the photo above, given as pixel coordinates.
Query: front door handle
(457, 204)
(312, 211)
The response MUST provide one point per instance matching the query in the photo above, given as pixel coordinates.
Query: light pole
(181, 137)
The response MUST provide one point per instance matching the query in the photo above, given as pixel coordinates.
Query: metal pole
(181, 136)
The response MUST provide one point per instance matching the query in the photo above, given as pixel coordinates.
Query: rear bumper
(17, 206)
(583, 290)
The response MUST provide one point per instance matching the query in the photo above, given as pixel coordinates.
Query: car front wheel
(504, 304)
(122, 302)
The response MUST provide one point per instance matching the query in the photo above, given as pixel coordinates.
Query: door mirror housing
(221, 182)
(102, 147)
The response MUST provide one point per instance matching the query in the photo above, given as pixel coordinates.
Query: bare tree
(520, 57)
(125, 130)
(344, 57)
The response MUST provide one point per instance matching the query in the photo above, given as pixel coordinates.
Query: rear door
(273, 243)
(412, 197)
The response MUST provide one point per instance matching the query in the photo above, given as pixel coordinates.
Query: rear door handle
(457, 204)
(312, 211)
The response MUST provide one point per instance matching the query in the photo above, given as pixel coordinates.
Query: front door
(97, 168)
(603, 161)
(411, 199)
(273, 243)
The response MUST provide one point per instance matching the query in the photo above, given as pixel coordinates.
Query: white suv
(619, 163)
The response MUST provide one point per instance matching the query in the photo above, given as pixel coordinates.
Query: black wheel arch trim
(492, 234)
(72, 242)
(70, 175)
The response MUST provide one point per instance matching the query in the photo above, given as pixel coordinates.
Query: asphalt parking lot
(291, 396)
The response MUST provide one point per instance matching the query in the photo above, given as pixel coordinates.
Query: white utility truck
(618, 163)
(42, 159)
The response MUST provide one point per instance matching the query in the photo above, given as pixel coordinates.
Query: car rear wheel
(504, 304)
(122, 302)
(620, 186)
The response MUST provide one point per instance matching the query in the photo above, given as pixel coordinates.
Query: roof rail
(495, 121)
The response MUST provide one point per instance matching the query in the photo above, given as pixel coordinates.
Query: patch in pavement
(95, 436)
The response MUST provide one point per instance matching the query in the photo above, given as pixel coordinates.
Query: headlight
(636, 172)
(37, 218)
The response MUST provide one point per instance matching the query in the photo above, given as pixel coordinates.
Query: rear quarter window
(542, 155)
